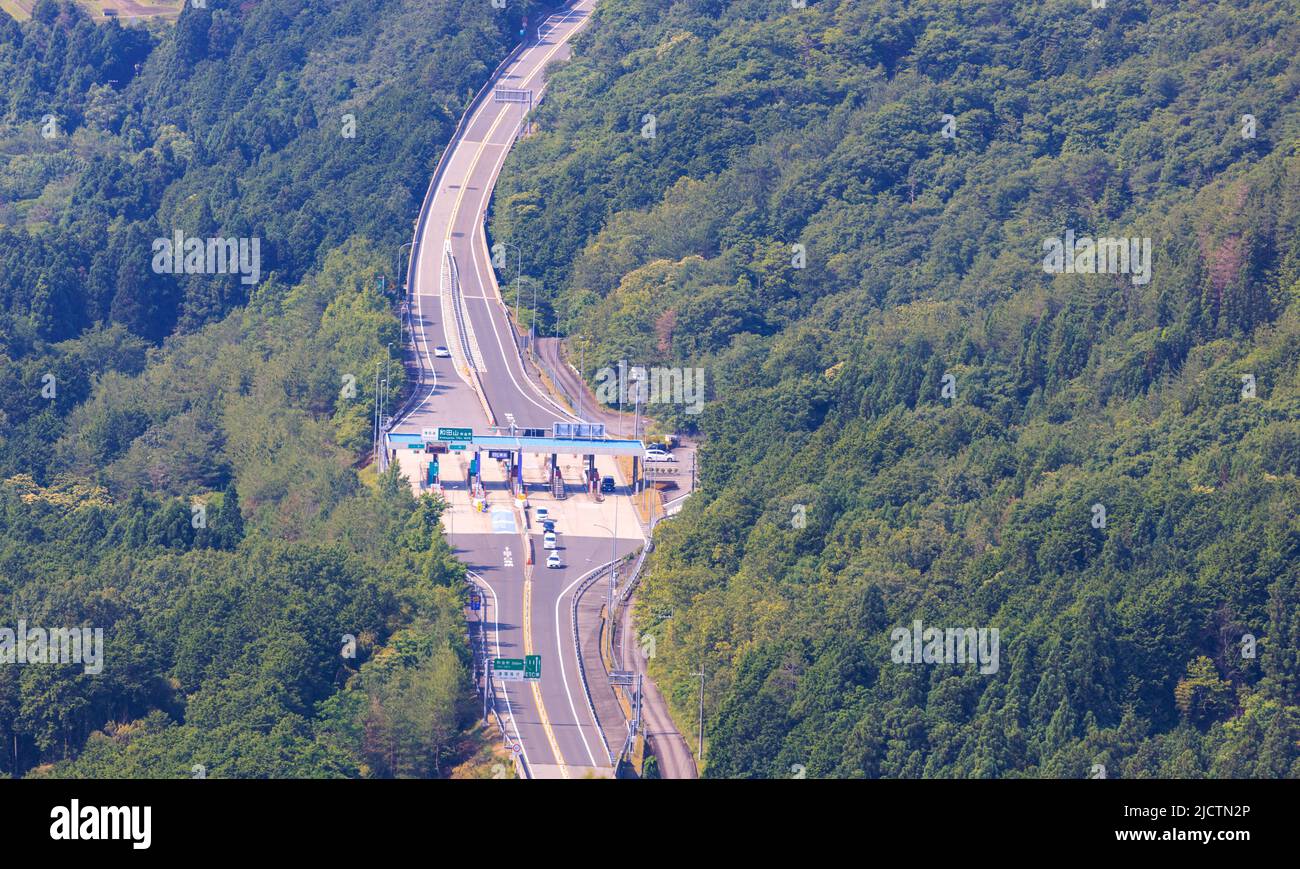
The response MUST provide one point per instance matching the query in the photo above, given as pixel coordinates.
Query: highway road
(551, 718)
(453, 220)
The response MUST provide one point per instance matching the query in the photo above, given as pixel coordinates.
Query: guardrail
(583, 585)
(427, 204)
(543, 365)
(520, 769)
(465, 331)
(451, 284)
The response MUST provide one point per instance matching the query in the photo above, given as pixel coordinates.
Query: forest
(182, 455)
(840, 210)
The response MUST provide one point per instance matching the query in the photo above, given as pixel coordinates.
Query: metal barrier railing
(586, 583)
(481, 665)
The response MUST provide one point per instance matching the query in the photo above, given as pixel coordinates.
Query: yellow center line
(478, 155)
(537, 688)
(528, 585)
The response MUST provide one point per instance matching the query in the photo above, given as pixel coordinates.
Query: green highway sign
(517, 669)
(508, 669)
(457, 446)
(455, 434)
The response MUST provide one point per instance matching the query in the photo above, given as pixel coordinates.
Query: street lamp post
(532, 322)
(519, 270)
(636, 376)
(388, 379)
(400, 282)
(375, 432)
(613, 581)
(383, 393)
(401, 326)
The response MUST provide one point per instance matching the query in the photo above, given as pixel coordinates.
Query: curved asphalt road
(550, 718)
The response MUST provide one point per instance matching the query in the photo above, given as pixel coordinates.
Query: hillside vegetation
(179, 452)
(921, 423)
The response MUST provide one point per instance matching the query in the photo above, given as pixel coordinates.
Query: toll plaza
(435, 459)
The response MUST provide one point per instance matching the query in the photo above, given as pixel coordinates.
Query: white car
(548, 540)
(553, 560)
(659, 456)
(442, 352)
(543, 514)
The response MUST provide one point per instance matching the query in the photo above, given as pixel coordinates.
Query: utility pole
(532, 323)
(388, 374)
(374, 441)
(482, 638)
(636, 407)
(613, 578)
(400, 282)
(636, 428)
(613, 581)
(701, 711)
(701, 732)
(519, 271)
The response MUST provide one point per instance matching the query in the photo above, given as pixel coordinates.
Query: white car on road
(442, 352)
(659, 456)
(548, 540)
(553, 560)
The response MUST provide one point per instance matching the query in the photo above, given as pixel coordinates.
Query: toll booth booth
(585, 441)
(556, 481)
(473, 478)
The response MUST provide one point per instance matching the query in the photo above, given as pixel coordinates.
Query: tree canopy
(840, 213)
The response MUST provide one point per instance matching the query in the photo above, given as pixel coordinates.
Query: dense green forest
(226, 635)
(920, 423)
(286, 121)
(179, 452)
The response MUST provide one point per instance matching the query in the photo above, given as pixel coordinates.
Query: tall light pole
(532, 322)
(519, 270)
(635, 376)
(401, 326)
(374, 443)
(701, 675)
(636, 418)
(613, 579)
(400, 283)
(383, 392)
(388, 372)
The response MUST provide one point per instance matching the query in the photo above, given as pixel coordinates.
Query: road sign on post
(455, 434)
(508, 669)
(533, 667)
